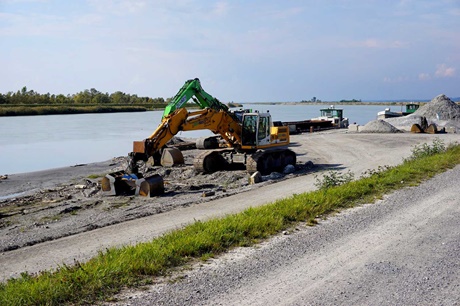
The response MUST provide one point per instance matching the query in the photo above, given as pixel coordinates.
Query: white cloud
(288, 13)
(23, 1)
(269, 13)
(220, 8)
(442, 71)
(398, 79)
(455, 12)
(371, 43)
(10, 17)
(118, 7)
(33, 24)
(380, 44)
(404, 3)
(424, 76)
(90, 19)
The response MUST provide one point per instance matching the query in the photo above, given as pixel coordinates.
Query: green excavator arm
(192, 90)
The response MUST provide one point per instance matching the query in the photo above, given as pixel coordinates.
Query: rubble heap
(379, 126)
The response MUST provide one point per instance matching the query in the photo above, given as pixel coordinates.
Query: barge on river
(329, 118)
(387, 113)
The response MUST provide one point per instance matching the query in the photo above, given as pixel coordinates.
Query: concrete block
(353, 127)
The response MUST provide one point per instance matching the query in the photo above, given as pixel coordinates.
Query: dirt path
(338, 150)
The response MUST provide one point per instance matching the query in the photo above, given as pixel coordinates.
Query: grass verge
(114, 269)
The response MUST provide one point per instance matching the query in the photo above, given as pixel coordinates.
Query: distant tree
(158, 100)
(100, 98)
(119, 97)
(87, 96)
(93, 92)
(83, 97)
(44, 99)
(133, 99)
(348, 101)
(61, 99)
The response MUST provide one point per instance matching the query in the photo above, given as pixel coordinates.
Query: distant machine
(329, 118)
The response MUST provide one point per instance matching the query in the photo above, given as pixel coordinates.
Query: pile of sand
(441, 108)
(379, 126)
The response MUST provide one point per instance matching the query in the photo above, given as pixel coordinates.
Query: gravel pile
(406, 122)
(442, 107)
(379, 126)
(441, 111)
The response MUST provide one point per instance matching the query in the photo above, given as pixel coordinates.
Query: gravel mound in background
(442, 107)
(406, 122)
(379, 126)
(441, 111)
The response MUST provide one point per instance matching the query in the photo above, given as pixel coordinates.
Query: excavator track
(264, 161)
(267, 161)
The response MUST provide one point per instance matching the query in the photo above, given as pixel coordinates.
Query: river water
(32, 143)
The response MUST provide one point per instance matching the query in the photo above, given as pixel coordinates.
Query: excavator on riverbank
(249, 140)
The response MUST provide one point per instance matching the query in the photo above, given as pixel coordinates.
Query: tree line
(86, 97)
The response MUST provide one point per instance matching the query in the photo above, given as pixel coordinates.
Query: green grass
(115, 269)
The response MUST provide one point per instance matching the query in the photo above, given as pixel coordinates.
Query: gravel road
(403, 250)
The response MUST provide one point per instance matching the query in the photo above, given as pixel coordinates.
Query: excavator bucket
(122, 184)
(431, 129)
(416, 128)
(171, 157)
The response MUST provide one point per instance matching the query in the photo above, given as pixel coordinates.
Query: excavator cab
(256, 129)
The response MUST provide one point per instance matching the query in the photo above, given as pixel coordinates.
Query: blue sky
(245, 51)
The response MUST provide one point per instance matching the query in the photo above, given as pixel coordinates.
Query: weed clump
(424, 150)
(333, 178)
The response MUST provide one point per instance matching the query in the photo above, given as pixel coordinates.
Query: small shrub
(333, 178)
(423, 150)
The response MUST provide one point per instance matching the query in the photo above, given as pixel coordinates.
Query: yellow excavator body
(244, 137)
